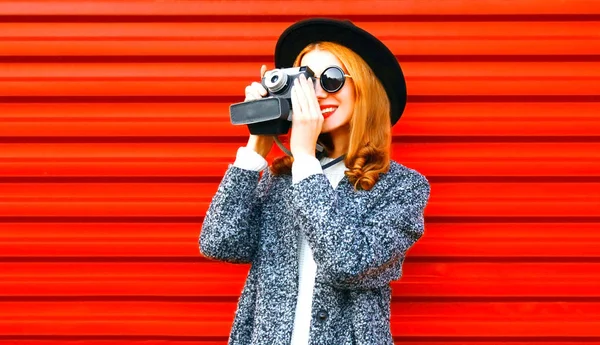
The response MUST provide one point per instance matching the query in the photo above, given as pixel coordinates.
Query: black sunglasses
(332, 79)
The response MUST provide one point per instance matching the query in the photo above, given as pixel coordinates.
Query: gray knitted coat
(358, 238)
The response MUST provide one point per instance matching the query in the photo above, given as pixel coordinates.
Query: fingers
(252, 93)
(259, 89)
(306, 99)
(255, 91)
(306, 123)
(296, 111)
(263, 70)
(302, 101)
(311, 98)
(300, 112)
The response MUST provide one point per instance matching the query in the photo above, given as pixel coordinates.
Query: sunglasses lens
(332, 79)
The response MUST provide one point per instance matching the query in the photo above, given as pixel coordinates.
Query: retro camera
(271, 115)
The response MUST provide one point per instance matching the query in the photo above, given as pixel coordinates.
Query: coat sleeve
(230, 229)
(361, 253)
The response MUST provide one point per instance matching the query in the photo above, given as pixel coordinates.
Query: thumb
(263, 69)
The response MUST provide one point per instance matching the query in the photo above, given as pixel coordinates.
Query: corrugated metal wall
(114, 134)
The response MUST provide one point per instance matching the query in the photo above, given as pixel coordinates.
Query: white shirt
(303, 167)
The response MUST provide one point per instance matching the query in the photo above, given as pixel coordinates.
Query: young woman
(325, 236)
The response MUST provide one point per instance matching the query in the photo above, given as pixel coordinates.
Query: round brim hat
(376, 54)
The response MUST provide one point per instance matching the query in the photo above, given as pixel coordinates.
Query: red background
(114, 133)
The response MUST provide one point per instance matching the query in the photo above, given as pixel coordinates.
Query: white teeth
(328, 110)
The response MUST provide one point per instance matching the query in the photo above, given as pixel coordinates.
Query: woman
(324, 242)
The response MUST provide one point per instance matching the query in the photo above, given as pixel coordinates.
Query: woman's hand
(261, 144)
(307, 120)
(256, 90)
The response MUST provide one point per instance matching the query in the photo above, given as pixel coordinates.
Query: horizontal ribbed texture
(114, 134)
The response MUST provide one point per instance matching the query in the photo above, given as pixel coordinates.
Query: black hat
(379, 58)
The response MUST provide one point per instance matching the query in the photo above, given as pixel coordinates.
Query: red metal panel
(459, 119)
(114, 133)
(211, 79)
(300, 8)
(132, 340)
(423, 281)
(237, 40)
(211, 319)
(509, 240)
(208, 161)
(173, 199)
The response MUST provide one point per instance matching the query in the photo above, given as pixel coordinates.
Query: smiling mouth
(327, 112)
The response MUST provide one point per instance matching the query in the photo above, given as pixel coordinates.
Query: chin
(325, 129)
(328, 128)
(337, 121)
(332, 126)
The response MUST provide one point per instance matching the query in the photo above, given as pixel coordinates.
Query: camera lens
(276, 80)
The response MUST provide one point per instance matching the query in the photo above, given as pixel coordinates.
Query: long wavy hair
(370, 127)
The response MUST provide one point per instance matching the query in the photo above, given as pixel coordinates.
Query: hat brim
(380, 59)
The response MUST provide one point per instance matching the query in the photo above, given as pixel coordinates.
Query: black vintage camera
(270, 115)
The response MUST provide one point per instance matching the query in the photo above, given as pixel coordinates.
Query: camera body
(270, 115)
(279, 82)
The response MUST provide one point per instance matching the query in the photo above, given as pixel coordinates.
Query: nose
(319, 92)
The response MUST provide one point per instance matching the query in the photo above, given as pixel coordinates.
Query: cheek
(347, 96)
(348, 101)
(346, 114)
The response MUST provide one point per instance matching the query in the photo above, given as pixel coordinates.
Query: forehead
(318, 60)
